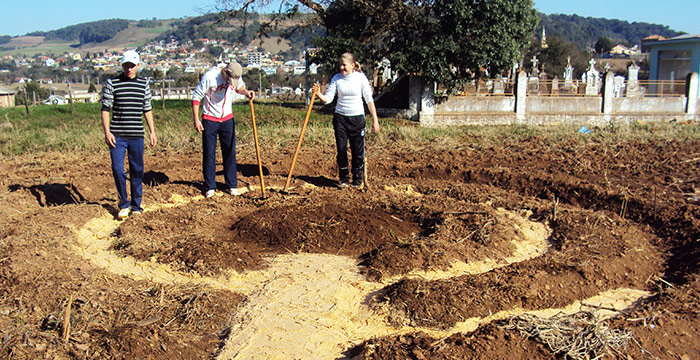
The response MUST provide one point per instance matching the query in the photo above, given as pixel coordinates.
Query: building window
(674, 64)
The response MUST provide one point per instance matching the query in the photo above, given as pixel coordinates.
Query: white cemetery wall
(477, 104)
(649, 105)
(559, 105)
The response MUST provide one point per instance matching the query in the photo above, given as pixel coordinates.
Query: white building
(254, 59)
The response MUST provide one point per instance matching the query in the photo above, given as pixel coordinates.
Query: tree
(448, 41)
(555, 57)
(603, 45)
(31, 89)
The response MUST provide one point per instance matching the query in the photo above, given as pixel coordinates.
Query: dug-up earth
(591, 249)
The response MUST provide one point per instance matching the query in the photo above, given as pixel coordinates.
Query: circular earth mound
(389, 232)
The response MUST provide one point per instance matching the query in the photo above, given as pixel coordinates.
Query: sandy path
(307, 306)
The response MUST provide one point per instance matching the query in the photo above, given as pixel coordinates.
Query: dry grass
(580, 336)
(54, 128)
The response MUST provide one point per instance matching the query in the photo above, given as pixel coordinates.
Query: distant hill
(91, 32)
(293, 37)
(585, 31)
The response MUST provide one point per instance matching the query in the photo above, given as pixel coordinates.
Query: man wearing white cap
(128, 98)
(215, 94)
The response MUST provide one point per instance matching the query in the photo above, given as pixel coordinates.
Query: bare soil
(622, 216)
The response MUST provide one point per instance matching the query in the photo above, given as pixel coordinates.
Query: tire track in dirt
(315, 305)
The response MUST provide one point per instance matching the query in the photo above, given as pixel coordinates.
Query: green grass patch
(55, 128)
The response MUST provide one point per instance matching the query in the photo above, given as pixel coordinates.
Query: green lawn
(54, 128)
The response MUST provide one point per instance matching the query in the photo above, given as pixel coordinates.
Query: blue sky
(40, 15)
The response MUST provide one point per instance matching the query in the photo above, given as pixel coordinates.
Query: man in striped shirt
(128, 97)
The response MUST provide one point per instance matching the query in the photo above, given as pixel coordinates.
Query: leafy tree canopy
(448, 41)
(603, 45)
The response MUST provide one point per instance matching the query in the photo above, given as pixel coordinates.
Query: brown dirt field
(619, 217)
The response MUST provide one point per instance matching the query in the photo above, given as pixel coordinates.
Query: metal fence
(488, 88)
(576, 88)
(657, 88)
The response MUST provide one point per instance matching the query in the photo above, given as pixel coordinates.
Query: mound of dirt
(592, 251)
(332, 223)
(192, 238)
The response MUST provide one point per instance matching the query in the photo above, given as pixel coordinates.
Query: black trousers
(350, 128)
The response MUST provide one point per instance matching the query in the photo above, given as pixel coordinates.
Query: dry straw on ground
(579, 336)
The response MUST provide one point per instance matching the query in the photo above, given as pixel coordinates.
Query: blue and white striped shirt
(128, 99)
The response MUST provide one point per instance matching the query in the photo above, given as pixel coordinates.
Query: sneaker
(344, 184)
(210, 193)
(234, 192)
(136, 212)
(124, 213)
(357, 185)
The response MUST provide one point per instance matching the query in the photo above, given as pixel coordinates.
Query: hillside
(120, 33)
(585, 31)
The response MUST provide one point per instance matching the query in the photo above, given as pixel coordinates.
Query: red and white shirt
(216, 95)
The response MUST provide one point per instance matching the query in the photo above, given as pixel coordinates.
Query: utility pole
(72, 104)
(162, 89)
(308, 52)
(26, 102)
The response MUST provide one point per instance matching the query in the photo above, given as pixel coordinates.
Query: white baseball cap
(131, 56)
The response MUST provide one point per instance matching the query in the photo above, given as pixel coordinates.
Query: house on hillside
(624, 50)
(7, 98)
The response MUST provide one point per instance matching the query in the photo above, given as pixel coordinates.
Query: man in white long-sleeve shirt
(215, 94)
(352, 87)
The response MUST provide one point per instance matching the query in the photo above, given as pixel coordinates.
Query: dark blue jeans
(134, 147)
(226, 132)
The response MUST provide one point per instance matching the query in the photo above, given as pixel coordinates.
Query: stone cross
(534, 62)
(592, 79)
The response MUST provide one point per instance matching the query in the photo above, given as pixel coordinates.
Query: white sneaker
(209, 193)
(234, 192)
(124, 213)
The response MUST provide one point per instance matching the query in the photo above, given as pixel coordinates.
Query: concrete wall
(476, 104)
(664, 105)
(564, 105)
(542, 110)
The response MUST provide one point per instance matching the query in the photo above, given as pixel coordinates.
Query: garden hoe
(257, 150)
(301, 138)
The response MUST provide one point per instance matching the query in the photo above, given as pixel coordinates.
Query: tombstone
(487, 88)
(498, 86)
(555, 86)
(385, 66)
(592, 79)
(514, 72)
(569, 86)
(533, 85)
(568, 73)
(607, 67)
(543, 81)
(619, 86)
(535, 72)
(633, 89)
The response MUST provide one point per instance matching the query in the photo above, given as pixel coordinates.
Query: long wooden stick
(66, 320)
(301, 138)
(257, 149)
